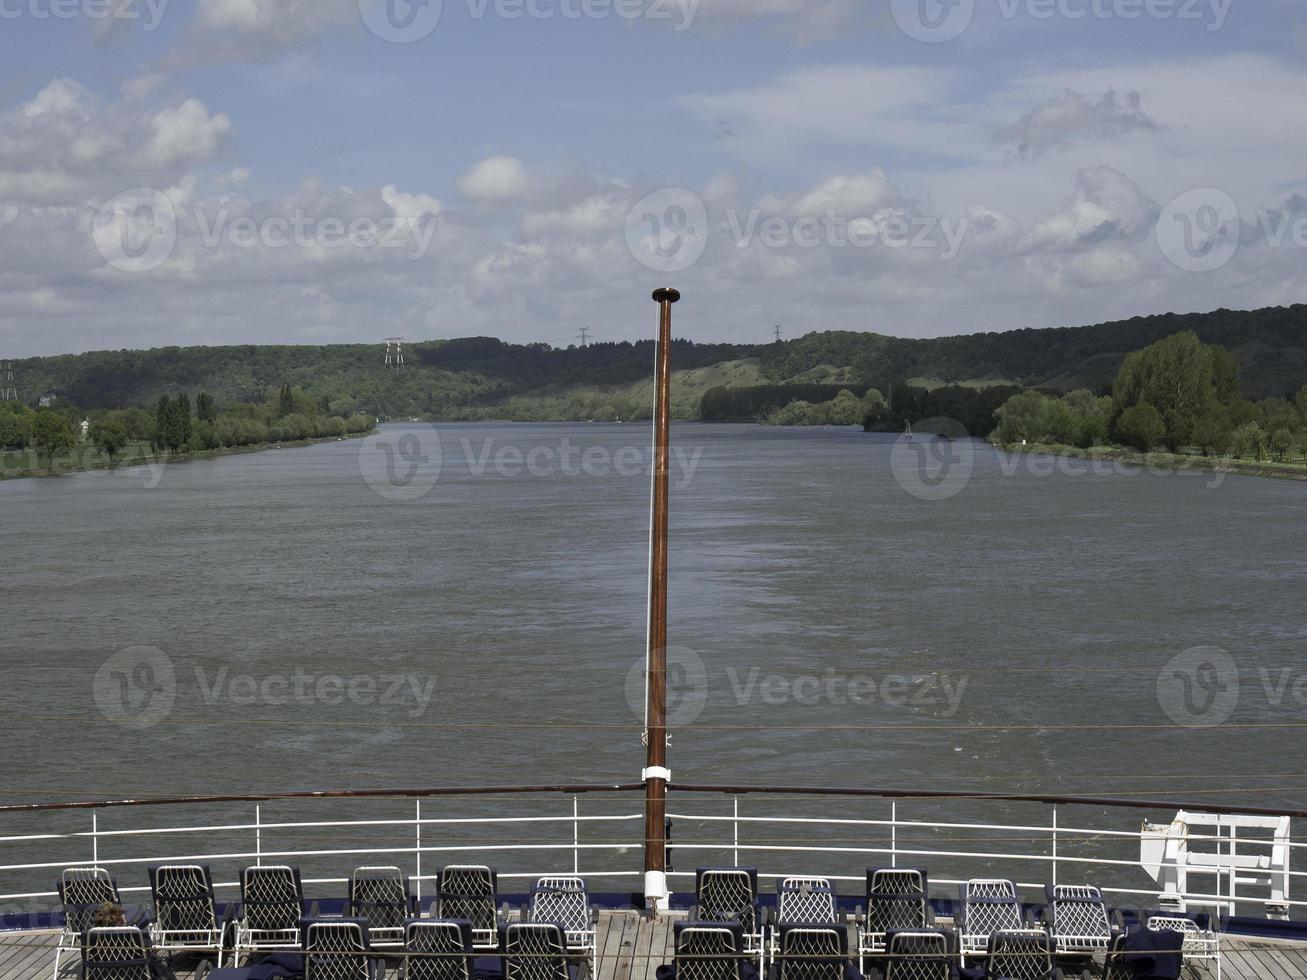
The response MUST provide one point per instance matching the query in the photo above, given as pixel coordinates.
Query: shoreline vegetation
(90, 460)
(1170, 462)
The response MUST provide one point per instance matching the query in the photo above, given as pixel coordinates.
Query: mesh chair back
(535, 951)
(562, 900)
(1020, 954)
(379, 896)
(810, 952)
(805, 900)
(467, 891)
(336, 949)
(183, 898)
(1079, 918)
(918, 954)
(82, 891)
(438, 949)
(116, 953)
(728, 895)
(897, 898)
(272, 898)
(988, 905)
(709, 951)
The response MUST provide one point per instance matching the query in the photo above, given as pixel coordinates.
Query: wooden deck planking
(632, 947)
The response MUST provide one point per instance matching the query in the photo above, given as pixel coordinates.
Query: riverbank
(22, 464)
(1167, 461)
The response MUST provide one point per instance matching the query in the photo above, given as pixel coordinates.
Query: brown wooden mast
(656, 775)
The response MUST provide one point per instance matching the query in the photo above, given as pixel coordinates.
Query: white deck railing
(588, 831)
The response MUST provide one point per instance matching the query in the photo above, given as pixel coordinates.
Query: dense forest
(482, 378)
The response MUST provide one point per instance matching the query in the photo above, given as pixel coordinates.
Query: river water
(466, 605)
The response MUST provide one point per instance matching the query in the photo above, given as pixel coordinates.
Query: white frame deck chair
(1078, 922)
(801, 900)
(469, 891)
(710, 951)
(987, 905)
(897, 898)
(185, 916)
(438, 949)
(379, 895)
(563, 899)
(272, 905)
(920, 954)
(116, 953)
(806, 951)
(338, 949)
(82, 890)
(1199, 943)
(1021, 954)
(730, 894)
(536, 951)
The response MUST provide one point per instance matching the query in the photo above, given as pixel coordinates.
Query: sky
(177, 172)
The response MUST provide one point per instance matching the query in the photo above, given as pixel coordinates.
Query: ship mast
(656, 775)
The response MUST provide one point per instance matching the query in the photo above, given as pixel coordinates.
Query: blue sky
(915, 167)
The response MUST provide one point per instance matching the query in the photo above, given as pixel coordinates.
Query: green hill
(481, 377)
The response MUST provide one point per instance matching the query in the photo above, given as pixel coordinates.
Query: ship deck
(631, 946)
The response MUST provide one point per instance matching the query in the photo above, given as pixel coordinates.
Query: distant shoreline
(67, 467)
(1169, 461)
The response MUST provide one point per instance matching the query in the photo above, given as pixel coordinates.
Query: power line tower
(585, 336)
(777, 328)
(395, 353)
(8, 393)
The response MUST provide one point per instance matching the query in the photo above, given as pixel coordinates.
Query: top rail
(728, 790)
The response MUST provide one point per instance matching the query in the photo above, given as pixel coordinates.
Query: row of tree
(1177, 394)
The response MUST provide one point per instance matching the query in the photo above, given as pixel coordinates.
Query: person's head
(110, 914)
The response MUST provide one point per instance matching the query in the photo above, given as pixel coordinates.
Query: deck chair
(116, 953)
(709, 951)
(1199, 943)
(812, 952)
(1078, 922)
(919, 954)
(379, 896)
(730, 895)
(536, 951)
(81, 891)
(987, 906)
(800, 901)
(1145, 954)
(467, 891)
(897, 898)
(564, 900)
(1021, 954)
(338, 949)
(438, 949)
(185, 914)
(272, 905)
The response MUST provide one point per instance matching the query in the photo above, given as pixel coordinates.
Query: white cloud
(497, 178)
(1071, 117)
(256, 30)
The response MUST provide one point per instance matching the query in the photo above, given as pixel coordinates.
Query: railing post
(1054, 845)
(258, 835)
(893, 833)
(417, 868)
(576, 835)
(735, 822)
(95, 840)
